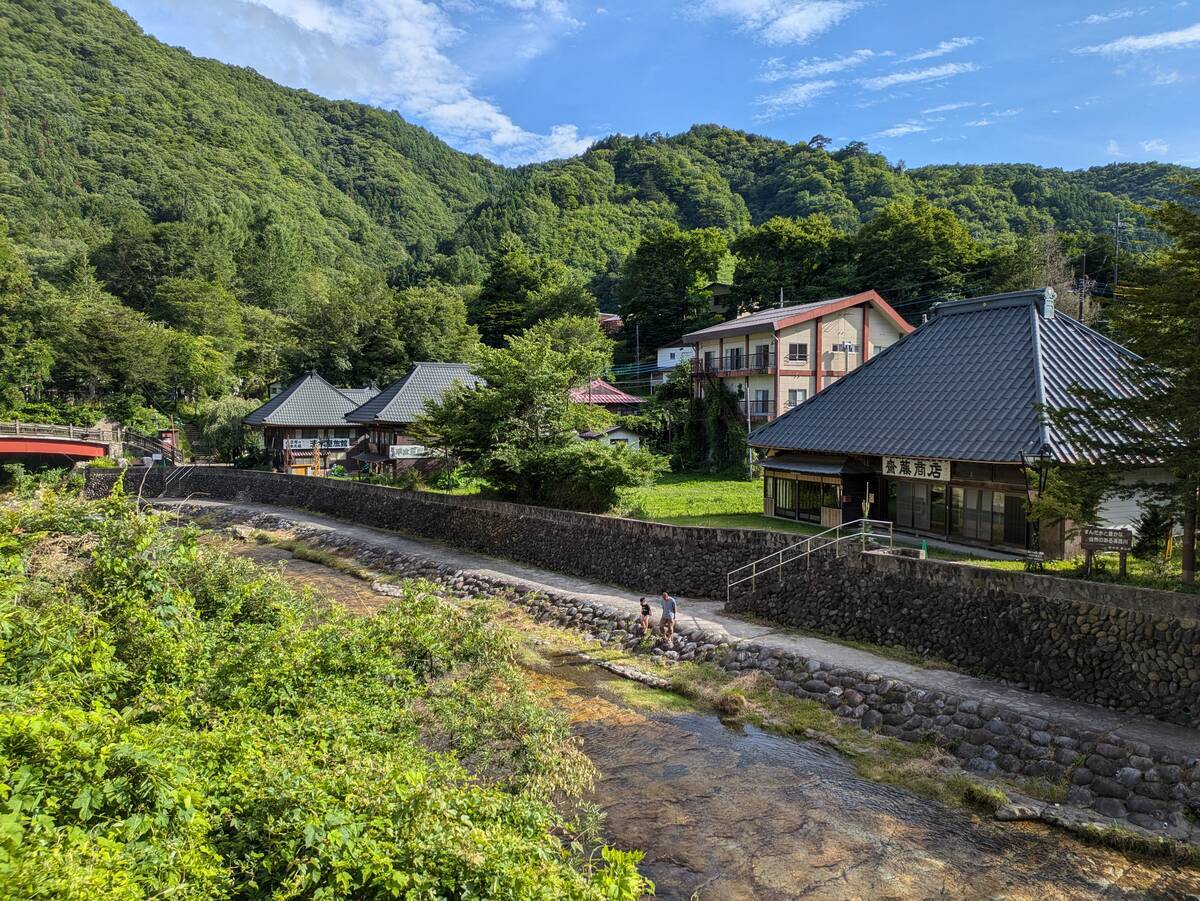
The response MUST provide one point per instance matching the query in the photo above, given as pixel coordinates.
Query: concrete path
(708, 616)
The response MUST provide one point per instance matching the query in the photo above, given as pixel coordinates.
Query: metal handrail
(864, 531)
(144, 443)
(52, 430)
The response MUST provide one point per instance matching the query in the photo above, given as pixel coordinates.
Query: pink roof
(601, 393)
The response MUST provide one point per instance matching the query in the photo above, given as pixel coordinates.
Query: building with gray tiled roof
(932, 431)
(388, 415)
(304, 426)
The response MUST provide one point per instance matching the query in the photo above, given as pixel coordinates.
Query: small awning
(366, 457)
(816, 466)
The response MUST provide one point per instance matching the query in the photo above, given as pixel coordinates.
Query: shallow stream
(733, 812)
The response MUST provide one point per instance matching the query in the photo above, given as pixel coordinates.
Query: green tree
(200, 307)
(807, 259)
(519, 430)
(430, 321)
(26, 359)
(914, 251)
(663, 290)
(220, 422)
(522, 288)
(1160, 422)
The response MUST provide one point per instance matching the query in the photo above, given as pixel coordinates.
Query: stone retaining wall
(1126, 648)
(645, 556)
(1144, 661)
(1113, 778)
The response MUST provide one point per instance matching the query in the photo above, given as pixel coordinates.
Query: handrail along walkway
(864, 531)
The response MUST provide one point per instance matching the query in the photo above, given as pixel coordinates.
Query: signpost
(1096, 539)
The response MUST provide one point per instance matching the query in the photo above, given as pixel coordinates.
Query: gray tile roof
(966, 385)
(308, 401)
(404, 400)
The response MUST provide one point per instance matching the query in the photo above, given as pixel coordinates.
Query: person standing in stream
(669, 610)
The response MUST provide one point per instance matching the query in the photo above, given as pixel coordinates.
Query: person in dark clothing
(644, 619)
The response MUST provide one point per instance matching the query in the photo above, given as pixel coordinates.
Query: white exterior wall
(1124, 512)
(841, 328)
(673, 356)
(618, 436)
(882, 331)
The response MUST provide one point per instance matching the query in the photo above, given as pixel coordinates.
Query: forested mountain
(241, 229)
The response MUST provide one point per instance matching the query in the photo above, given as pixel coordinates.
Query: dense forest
(175, 225)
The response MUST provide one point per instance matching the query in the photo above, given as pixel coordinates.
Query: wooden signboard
(1096, 539)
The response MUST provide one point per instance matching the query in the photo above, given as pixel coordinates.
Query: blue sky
(1057, 83)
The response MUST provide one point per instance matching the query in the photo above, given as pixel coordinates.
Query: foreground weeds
(177, 722)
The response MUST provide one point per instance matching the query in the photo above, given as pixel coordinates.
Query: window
(308, 433)
(845, 347)
(735, 358)
(798, 352)
(341, 433)
(762, 356)
(672, 355)
(762, 401)
(796, 396)
(709, 358)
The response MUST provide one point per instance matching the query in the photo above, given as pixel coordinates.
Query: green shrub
(178, 722)
(583, 475)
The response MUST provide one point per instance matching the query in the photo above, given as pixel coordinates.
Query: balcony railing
(730, 363)
(757, 409)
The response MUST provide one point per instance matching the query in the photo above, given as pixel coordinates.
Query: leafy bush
(580, 476)
(177, 721)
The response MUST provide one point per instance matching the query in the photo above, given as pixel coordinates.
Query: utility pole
(1116, 255)
(781, 297)
(1083, 284)
(637, 342)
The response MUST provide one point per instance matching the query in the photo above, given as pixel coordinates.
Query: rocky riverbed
(732, 812)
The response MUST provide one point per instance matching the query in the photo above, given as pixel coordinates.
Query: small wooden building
(387, 417)
(304, 426)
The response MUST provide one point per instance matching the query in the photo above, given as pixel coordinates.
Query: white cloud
(990, 118)
(1113, 149)
(1114, 15)
(1162, 78)
(934, 73)
(394, 54)
(1163, 40)
(777, 70)
(904, 128)
(792, 97)
(780, 21)
(1155, 146)
(941, 49)
(948, 107)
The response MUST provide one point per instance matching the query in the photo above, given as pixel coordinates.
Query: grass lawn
(1141, 573)
(692, 499)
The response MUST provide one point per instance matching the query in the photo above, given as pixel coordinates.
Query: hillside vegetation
(186, 227)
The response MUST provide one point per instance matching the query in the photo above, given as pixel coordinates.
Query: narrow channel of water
(732, 813)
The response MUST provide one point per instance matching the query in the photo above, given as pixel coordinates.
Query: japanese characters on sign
(917, 468)
(1097, 539)
(310, 443)
(407, 451)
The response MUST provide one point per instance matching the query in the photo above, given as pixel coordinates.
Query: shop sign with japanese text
(917, 468)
